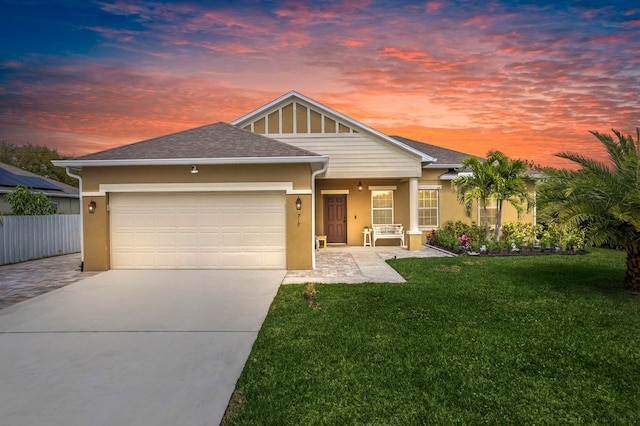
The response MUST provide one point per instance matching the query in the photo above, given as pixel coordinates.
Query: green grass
(511, 340)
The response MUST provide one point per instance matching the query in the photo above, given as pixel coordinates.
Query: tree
(498, 178)
(477, 185)
(23, 202)
(36, 159)
(510, 178)
(603, 199)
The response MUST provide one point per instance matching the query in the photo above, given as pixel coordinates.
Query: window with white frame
(381, 207)
(492, 212)
(428, 208)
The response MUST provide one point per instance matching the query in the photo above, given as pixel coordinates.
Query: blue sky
(529, 78)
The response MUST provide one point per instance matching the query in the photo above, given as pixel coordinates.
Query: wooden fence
(32, 237)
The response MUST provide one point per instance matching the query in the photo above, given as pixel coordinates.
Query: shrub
(23, 202)
(564, 236)
(521, 233)
(453, 236)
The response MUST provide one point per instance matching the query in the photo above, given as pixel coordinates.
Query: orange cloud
(353, 43)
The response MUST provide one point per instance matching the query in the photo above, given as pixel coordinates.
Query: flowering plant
(465, 241)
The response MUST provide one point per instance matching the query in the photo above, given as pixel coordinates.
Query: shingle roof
(445, 157)
(51, 187)
(219, 140)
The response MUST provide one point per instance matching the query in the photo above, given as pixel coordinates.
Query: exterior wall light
(92, 206)
(194, 169)
(359, 186)
(298, 203)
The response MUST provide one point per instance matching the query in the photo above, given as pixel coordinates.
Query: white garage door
(198, 230)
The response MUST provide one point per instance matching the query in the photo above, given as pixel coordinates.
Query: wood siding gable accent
(296, 117)
(356, 156)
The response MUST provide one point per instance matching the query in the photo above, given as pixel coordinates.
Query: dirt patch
(309, 295)
(448, 268)
(235, 405)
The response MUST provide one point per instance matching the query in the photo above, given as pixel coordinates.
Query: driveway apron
(132, 347)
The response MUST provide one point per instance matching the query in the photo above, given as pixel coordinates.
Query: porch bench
(390, 231)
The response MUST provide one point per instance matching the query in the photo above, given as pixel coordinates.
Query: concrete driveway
(131, 347)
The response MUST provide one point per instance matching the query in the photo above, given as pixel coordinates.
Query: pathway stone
(352, 265)
(22, 281)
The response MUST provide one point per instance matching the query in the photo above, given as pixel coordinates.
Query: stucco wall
(299, 174)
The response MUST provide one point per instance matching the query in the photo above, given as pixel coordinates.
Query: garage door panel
(187, 220)
(122, 259)
(206, 220)
(143, 240)
(165, 219)
(187, 260)
(166, 239)
(207, 239)
(187, 239)
(143, 219)
(142, 258)
(165, 258)
(195, 230)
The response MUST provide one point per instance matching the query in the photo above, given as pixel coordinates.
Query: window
(381, 207)
(428, 208)
(492, 212)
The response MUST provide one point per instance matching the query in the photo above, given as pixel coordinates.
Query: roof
(219, 140)
(11, 176)
(446, 158)
(425, 157)
(219, 143)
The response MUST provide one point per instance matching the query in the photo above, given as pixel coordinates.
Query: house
(257, 192)
(65, 198)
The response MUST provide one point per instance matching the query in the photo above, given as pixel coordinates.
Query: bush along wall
(517, 238)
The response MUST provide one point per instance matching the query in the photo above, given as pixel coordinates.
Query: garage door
(198, 230)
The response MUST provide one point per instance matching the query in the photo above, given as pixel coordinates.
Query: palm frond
(601, 199)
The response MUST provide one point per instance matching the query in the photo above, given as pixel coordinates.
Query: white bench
(391, 231)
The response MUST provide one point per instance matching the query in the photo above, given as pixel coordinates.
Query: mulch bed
(524, 251)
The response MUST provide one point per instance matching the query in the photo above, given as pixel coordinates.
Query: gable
(354, 149)
(296, 117)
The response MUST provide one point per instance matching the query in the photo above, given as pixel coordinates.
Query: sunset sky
(529, 78)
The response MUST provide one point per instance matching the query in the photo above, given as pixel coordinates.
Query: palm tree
(602, 198)
(510, 184)
(498, 178)
(476, 185)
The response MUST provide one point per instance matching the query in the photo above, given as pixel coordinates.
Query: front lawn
(512, 340)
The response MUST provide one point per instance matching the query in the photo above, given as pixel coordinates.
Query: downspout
(313, 210)
(81, 217)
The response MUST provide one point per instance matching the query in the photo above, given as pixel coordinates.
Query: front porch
(357, 264)
(346, 208)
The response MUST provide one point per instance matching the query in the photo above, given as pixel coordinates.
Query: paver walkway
(351, 264)
(22, 281)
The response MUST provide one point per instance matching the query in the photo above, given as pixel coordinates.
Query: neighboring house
(255, 193)
(65, 198)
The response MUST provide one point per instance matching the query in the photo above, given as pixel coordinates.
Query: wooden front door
(335, 218)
